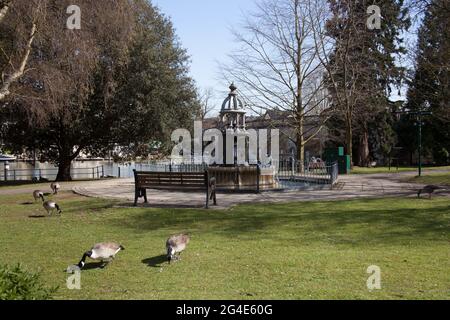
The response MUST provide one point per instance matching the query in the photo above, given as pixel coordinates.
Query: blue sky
(203, 27)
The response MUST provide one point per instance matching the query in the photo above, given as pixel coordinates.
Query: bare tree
(207, 106)
(277, 66)
(14, 73)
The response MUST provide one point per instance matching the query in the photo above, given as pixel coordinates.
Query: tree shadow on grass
(155, 262)
(357, 222)
(82, 206)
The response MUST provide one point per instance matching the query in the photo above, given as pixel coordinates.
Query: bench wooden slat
(155, 185)
(184, 181)
(167, 174)
(187, 181)
(173, 181)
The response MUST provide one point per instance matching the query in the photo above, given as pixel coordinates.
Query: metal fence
(50, 174)
(317, 173)
(289, 173)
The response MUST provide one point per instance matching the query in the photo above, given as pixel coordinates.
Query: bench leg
(213, 197)
(145, 195)
(136, 197)
(207, 199)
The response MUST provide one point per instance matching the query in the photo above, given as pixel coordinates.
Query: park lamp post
(419, 123)
(420, 113)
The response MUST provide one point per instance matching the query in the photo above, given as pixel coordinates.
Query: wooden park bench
(174, 181)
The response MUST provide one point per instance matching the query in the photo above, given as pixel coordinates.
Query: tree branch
(10, 79)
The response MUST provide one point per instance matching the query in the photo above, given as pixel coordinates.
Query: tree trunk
(363, 149)
(64, 166)
(301, 147)
(349, 141)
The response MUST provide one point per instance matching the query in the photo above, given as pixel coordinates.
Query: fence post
(103, 171)
(6, 172)
(118, 168)
(293, 166)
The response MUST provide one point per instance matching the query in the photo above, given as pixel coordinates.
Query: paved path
(348, 187)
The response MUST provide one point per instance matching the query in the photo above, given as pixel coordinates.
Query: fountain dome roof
(233, 103)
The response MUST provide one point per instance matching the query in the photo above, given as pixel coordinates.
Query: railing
(292, 171)
(50, 174)
(289, 173)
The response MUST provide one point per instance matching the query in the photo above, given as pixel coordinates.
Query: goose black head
(83, 259)
(58, 208)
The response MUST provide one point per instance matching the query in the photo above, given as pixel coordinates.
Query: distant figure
(428, 189)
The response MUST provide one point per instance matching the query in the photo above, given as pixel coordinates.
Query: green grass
(432, 178)
(364, 170)
(318, 250)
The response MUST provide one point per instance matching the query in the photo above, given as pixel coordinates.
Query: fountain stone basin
(243, 178)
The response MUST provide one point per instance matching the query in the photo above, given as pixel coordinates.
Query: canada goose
(55, 187)
(50, 206)
(428, 189)
(38, 194)
(176, 244)
(101, 251)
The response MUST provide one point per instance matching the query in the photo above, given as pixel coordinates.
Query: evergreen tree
(364, 71)
(120, 80)
(429, 88)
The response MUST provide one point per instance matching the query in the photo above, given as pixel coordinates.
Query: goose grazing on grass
(428, 189)
(38, 194)
(55, 187)
(50, 206)
(105, 252)
(176, 244)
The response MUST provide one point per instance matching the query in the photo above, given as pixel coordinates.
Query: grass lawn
(364, 170)
(318, 250)
(432, 178)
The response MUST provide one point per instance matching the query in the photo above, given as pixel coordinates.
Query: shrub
(16, 283)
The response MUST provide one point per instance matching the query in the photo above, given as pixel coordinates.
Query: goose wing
(106, 249)
(178, 240)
